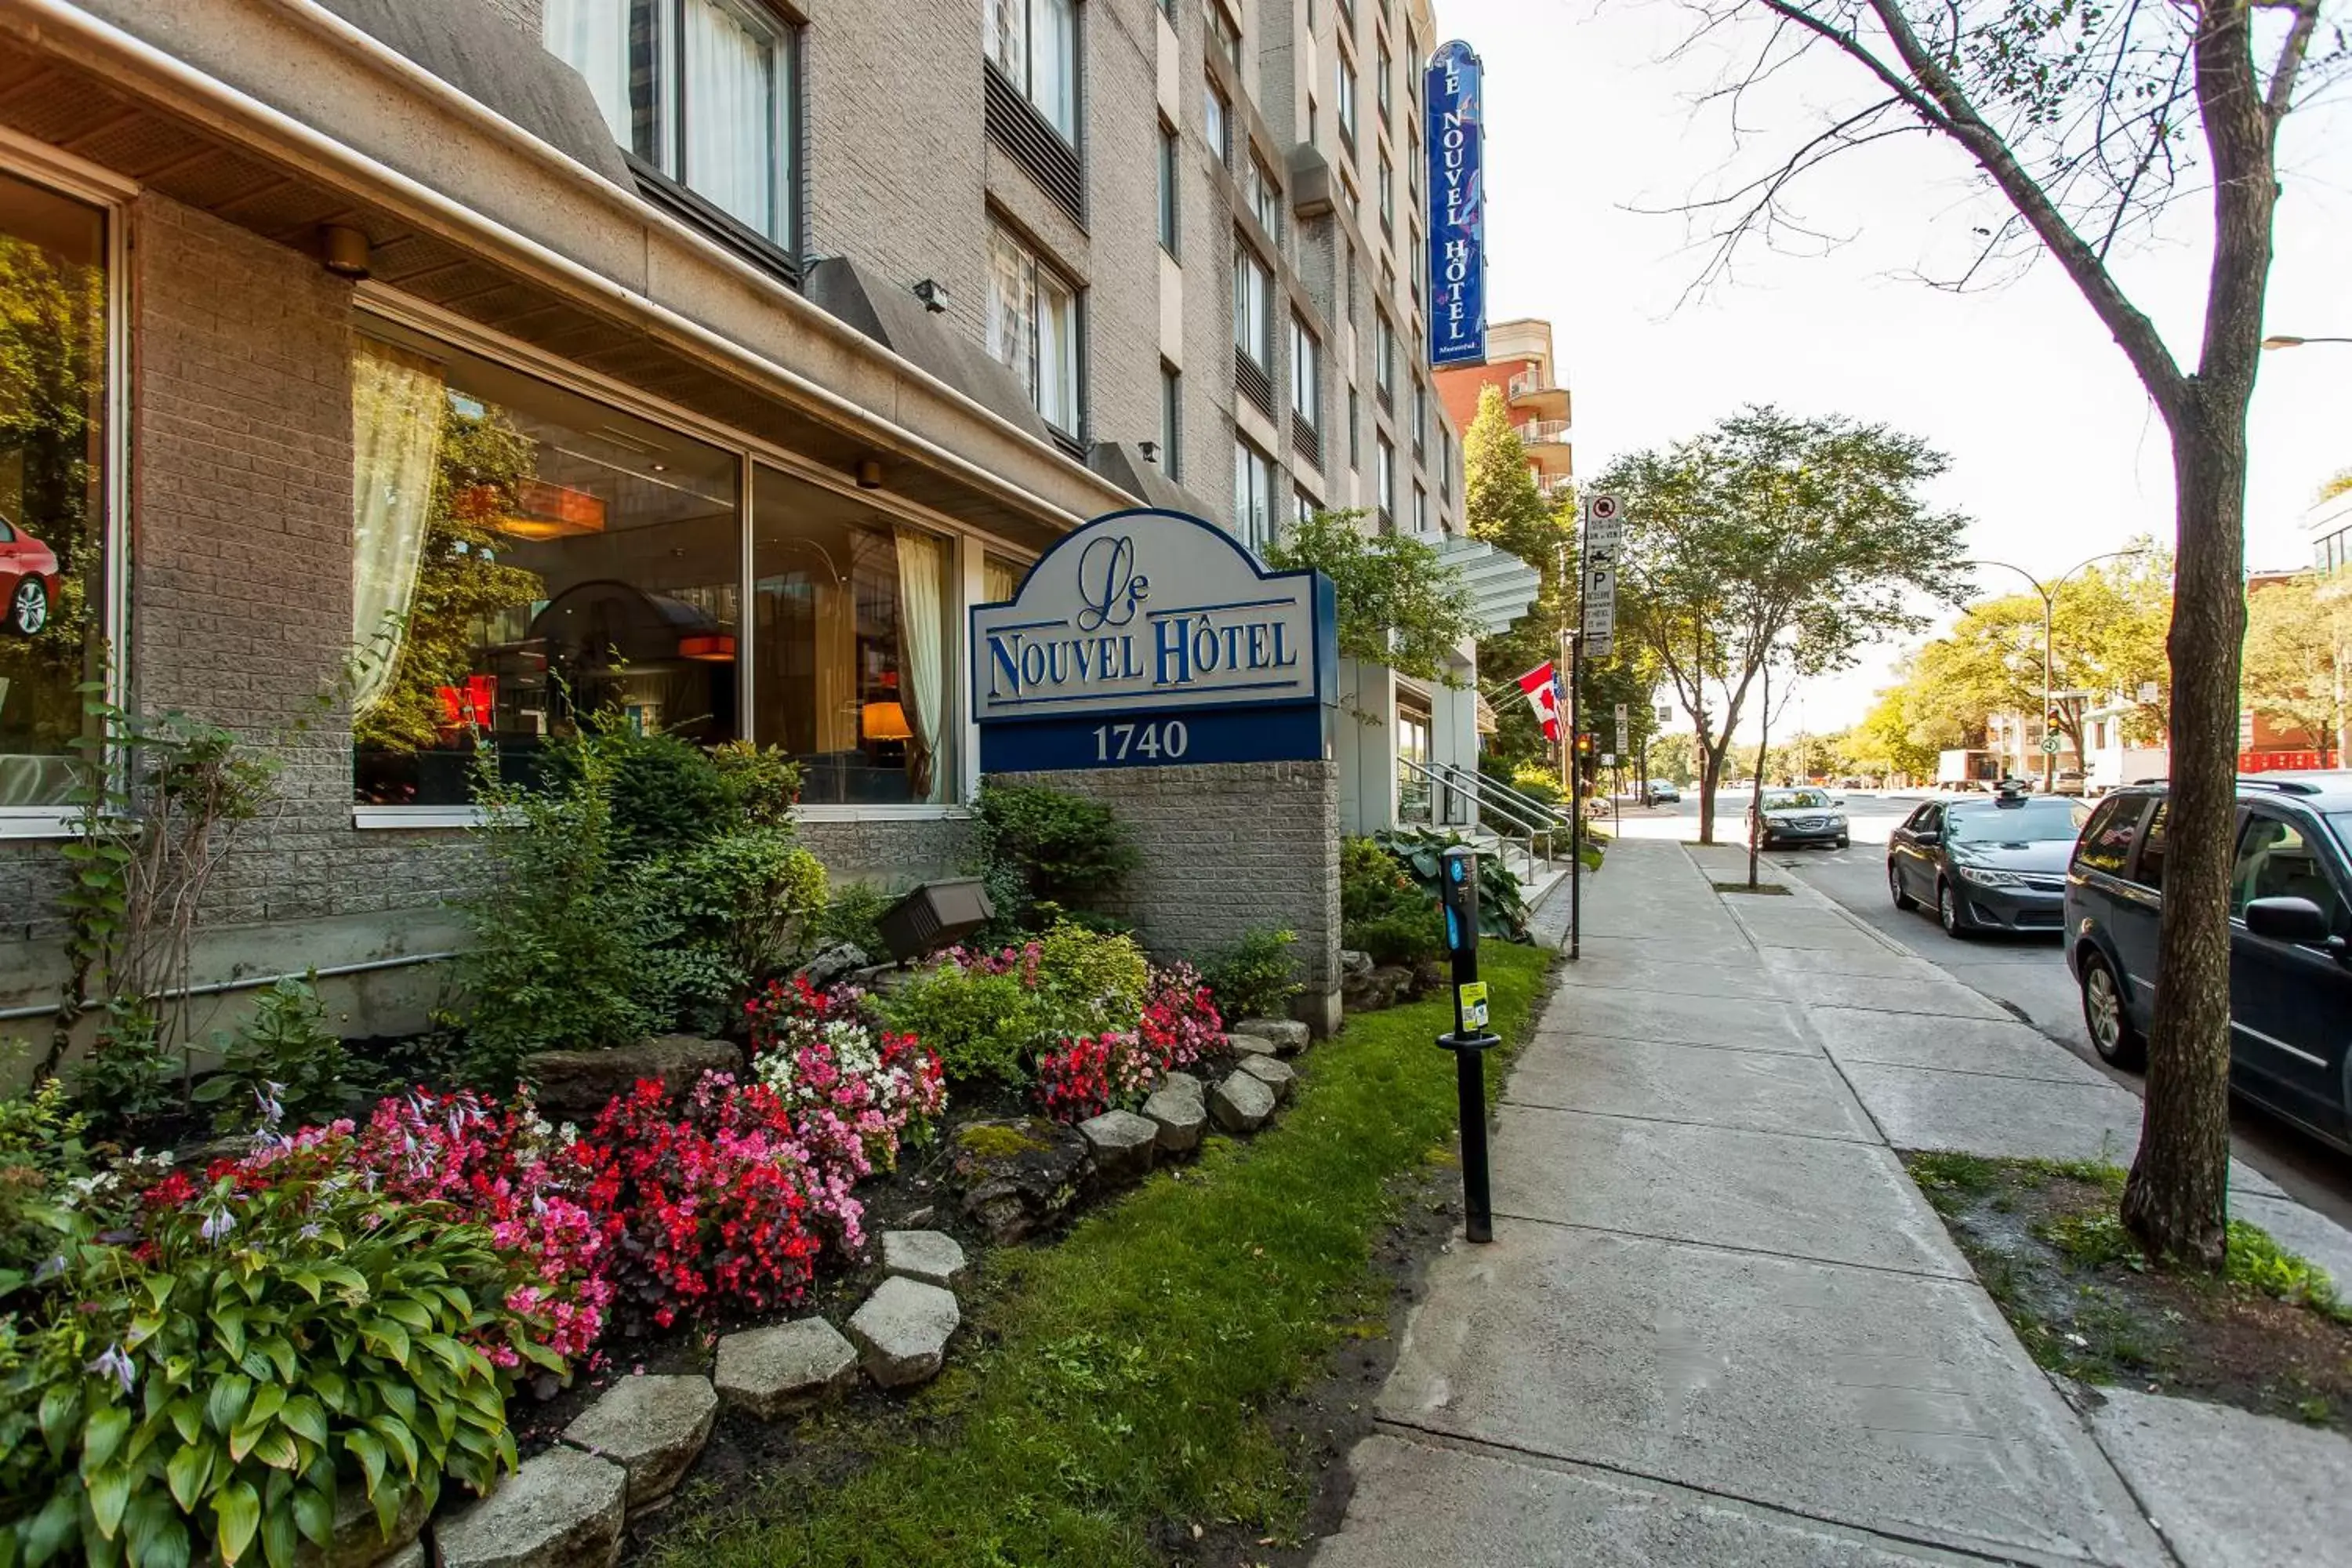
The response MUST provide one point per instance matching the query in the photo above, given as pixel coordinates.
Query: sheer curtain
(730, 117)
(1055, 88)
(999, 578)
(396, 402)
(922, 650)
(592, 36)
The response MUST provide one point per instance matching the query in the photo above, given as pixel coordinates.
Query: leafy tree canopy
(2298, 637)
(1398, 604)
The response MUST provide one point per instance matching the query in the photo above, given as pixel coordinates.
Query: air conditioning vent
(1015, 124)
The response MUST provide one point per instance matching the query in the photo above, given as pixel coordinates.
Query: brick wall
(1229, 848)
(893, 855)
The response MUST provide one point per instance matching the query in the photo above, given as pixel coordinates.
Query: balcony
(1554, 487)
(1547, 444)
(1532, 396)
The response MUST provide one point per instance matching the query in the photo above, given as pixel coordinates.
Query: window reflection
(852, 626)
(52, 515)
(523, 556)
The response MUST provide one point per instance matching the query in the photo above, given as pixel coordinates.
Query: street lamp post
(2049, 595)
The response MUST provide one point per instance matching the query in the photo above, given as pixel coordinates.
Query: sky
(2056, 453)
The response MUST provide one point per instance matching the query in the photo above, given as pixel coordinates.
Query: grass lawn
(2271, 1335)
(1110, 1390)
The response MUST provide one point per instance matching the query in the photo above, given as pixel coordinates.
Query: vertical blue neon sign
(1451, 100)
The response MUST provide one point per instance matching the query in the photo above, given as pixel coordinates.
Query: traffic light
(1584, 742)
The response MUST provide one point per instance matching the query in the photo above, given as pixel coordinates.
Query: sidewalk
(1718, 1324)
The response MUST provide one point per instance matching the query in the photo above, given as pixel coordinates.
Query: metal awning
(1501, 586)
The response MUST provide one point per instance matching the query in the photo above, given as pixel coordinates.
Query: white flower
(218, 1223)
(111, 1362)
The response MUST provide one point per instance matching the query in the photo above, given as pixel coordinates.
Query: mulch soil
(2091, 1308)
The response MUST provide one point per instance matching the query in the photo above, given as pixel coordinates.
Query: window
(1216, 122)
(1445, 463)
(1384, 477)
(1344, 98)
(1035, 44)
(1253, 307)
(1419, 416)
(1172, 421)
(1380, 94)
(2276, 861)
(1168, 188)
(2106, 841)
(2149, 873)
(54, 517)
(1252, 495)
(1355, 430)
(1419, 509)
(1303, 506)
(1388, 195)
(522, 555)
(1313, 123)
(1384, 361)
(1306, 372)
(1224, 34)
(1264, 201)
(702, 91)
(1033, 327)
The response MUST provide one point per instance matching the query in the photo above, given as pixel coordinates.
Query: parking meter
(1470, 1039)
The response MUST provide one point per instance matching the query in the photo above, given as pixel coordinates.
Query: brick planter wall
(1229, 847)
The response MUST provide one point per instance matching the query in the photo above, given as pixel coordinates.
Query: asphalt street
(2026, 975)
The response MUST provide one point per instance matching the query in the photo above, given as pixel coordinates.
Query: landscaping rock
(833, 965)
(1277, 1076)
(767, 1371)
(562, 1509)
(1018, 1175)
(409, 1557)
(1288, 1034)
(356, 1541)
(1243, 1045)
(1180, 1109)
(902, 1332)
(1352, 962)
(651, 1427)
(1122, 1144)
(1400, 981)
(1241, 1103)
(1368, 991)
(922, 1255)
(579, 1083)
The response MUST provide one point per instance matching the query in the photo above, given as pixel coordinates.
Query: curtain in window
(1054, 89)
(730, 119)
(998, 579)
(1005, 25)
(1011, 308)
(397, 403)
(1057, 353)
(922, 653)
(592, 36)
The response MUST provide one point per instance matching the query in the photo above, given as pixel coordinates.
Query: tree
(1802, 538)
(1673, 757)
(2080, 117)
(1399, 604)
(2298, 650)
(1501, 505)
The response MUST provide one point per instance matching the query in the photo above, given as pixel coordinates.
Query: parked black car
(2290, 938)
(1986, 865)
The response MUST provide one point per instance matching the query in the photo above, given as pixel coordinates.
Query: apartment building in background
(1519, 363)
(704, 359)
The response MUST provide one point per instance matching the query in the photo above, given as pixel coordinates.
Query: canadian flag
(1541, 685)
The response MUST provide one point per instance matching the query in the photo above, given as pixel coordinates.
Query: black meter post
(1471, 1039)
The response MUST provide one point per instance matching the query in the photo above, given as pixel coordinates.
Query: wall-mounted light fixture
(869, 473)
(932, 293)
(1150, 450)
(343, 250)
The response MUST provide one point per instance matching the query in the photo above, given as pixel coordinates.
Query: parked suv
(2290, 938)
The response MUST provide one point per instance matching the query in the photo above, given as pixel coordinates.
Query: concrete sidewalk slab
(1422, 1503)
(2006, 1049)
(1885, 1401)
(1726, 950)
(1757, 1091)
(1817, 1198)
(1596, 972)
(2231, 1488)
(2011, 1118)
(1877, 961)
(1942, 998)
(1813, 936)
(1741, 1021)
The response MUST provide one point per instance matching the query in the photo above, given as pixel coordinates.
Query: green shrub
(667, 793)
(1382, 911)
(1040, 845)
(207, 1395)
(740, 905)
(1420, 851)
(853, 913)
(985, 1027)
(40, 1150)
(285, 1064)
(1091, 980)
(1256, 977)
(762, 784)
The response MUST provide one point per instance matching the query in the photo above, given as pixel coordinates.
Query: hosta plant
(195, 1384)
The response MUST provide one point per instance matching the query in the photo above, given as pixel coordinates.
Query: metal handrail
(1552, 817)
(1527, 833)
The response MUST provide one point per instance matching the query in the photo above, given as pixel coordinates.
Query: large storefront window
(53, 593)
(523, 556)
(854, 625)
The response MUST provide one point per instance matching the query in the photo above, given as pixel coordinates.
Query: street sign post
(1602, 528)
(2049, 745)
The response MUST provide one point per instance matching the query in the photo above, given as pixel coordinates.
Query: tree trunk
(2176, 1201)
(1710, 776)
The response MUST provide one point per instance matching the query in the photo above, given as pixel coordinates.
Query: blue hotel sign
(1147, 638)
(1458, 206)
